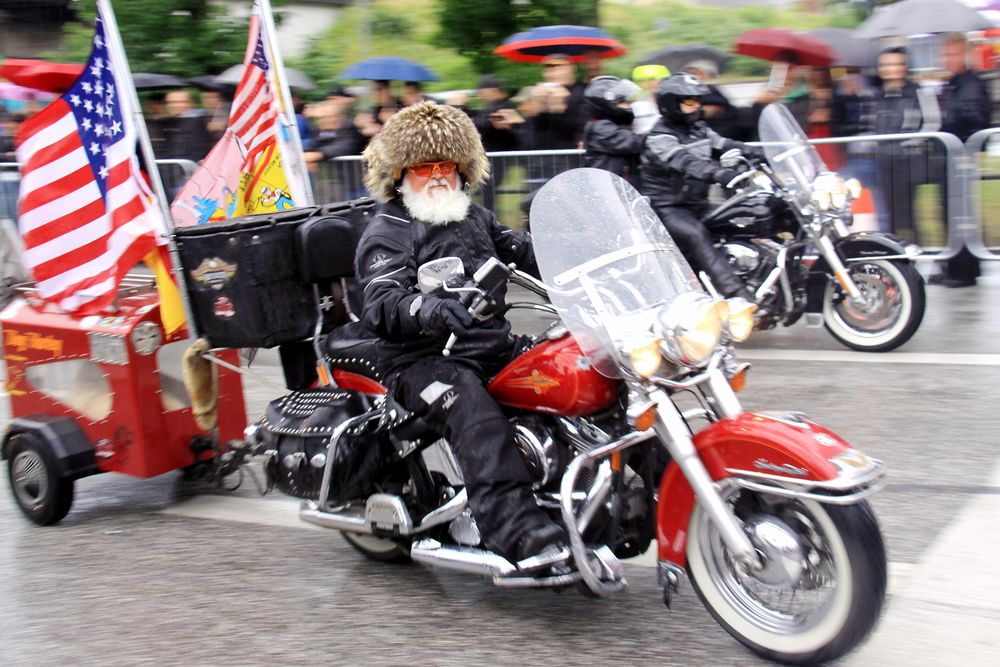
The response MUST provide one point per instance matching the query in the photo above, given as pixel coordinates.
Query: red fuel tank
(554, 377)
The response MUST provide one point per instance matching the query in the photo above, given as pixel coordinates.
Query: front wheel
(894, 303)
(822, 582)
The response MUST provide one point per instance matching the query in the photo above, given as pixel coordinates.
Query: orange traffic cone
(863, 210)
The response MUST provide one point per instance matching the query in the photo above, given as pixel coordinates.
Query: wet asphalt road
(126, 580)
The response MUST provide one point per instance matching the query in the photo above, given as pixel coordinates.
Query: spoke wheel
(892, 309)
(821, 585)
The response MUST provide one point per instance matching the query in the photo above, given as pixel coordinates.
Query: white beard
(446, 205)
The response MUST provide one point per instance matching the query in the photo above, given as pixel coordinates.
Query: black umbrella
(209, 82)
(149, 81)
(675, 58)
(914, 17)
(852, 51)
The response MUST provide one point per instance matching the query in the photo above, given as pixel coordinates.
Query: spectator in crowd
(592, 65)
(216, 107)
(644, 107)
(554, 117)
(717, 112)
(899, 105)
(370, 122)
(302, 122)
(789, 85)
(497, 123)
(8, 127)
(413, 92)
(819, 118)
(965, 109)
(155, 114)
(852, 94)
(336, 136)
(607, 138)
(559, 116)
(186, 135)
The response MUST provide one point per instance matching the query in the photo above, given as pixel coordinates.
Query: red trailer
(101, 393)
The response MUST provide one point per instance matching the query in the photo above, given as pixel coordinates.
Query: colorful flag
(247, 170)
(86, 213)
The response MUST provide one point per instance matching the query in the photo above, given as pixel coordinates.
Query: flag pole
(127, 86)
(267, 21)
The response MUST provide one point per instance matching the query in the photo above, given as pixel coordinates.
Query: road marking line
(842, 356)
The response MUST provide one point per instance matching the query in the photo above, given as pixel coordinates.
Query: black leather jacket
(394, 246)
(612, 147)
(678, 163)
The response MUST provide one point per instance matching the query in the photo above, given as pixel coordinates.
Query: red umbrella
(41, 74)
(782, 45)
(574, 41)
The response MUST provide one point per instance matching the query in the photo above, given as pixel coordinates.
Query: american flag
(85, 211)
(254, 111)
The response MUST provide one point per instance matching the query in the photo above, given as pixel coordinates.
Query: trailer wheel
(40, 492)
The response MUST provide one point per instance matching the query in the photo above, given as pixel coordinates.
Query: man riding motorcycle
(678, 165)
(419, 168)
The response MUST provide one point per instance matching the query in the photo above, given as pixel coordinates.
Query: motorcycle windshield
(794, 161)
(607, 259)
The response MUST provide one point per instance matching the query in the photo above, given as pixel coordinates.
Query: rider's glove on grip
(442, 317)
(723, 176)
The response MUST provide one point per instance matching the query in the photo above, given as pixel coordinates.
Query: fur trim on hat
(423, 132)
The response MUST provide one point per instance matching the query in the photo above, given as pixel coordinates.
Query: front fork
(674, 433)
(832, 257)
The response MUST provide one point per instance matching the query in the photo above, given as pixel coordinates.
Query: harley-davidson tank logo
(214, 273)
(536, 382)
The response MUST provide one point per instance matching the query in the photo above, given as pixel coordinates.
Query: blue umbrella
(389, 68)
(575, 41)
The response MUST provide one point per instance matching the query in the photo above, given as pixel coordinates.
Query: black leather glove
(723, 176)
(441, 317)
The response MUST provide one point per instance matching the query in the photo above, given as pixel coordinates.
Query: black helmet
(605, 93)
(675, 88)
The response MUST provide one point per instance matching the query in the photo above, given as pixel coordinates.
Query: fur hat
(423, 132)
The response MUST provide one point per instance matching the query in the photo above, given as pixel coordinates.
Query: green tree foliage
(181, 37)
(475, 28)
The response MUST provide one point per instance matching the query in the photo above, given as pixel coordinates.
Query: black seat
(353, 348)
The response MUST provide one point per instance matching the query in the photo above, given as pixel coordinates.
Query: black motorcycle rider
(608, 140)
(419, 168)
(679, 164)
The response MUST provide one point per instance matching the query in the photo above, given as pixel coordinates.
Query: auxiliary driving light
(740, 318)
(646, 358)
(691, 326)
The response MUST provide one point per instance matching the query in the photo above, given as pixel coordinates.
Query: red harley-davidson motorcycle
(765, 513)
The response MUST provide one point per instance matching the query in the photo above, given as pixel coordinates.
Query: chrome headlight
(691, 326)
(740, 318)
(830, 191)
(645, 357)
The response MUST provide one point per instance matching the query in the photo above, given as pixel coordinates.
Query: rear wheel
(42, 494)
(894, 303)
(820, 589)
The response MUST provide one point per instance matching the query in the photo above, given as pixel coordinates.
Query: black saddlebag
(245, 277)
(298, 427)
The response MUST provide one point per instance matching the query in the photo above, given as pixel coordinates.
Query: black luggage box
(244, 276)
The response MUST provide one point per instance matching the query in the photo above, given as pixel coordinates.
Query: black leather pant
(452, 398)
(694, 241)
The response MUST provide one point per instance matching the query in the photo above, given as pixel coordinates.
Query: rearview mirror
(435, 273)
(731, 158)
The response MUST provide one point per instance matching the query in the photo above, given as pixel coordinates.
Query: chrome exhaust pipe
(309, 512)
(463, 559)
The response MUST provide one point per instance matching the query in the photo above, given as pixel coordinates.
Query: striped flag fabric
(246, 171)
(86, 213)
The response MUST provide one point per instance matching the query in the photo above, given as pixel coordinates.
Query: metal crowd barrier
(984, 199)
(926, 187)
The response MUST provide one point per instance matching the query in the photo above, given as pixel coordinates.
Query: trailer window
(77, 383)
(173, 393)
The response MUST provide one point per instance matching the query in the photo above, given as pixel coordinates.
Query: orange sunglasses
(428, 169)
